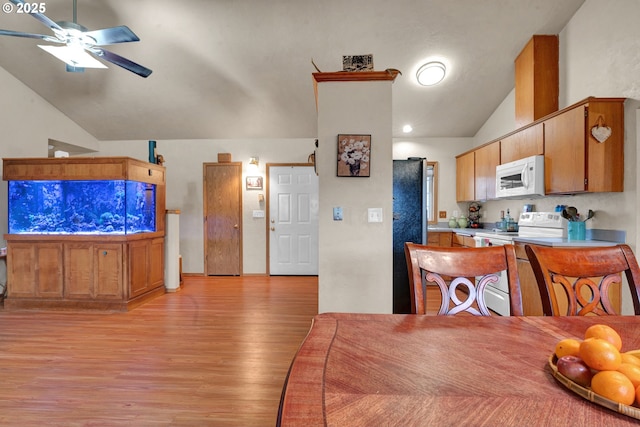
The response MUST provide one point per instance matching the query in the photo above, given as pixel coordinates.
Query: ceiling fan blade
(120, 61)
(42, 18)
(72, 56)
(29, 35)
(121, 34)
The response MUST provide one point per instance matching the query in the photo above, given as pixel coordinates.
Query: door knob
(236, 226)
(273, 229)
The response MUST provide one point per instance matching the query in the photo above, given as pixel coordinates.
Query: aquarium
(81, 207)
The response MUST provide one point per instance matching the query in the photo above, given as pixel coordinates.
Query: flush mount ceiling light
(431, 73)
(407, 129)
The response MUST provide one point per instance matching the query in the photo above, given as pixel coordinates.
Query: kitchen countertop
(563, 242)
(544, 241)
(467, 231)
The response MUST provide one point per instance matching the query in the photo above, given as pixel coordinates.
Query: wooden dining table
(410, 370)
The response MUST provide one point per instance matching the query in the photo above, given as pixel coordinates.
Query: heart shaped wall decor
(601, 133)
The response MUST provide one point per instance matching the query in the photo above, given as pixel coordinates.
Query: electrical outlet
(442, 214)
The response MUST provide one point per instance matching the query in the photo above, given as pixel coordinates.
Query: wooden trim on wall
(352, 76)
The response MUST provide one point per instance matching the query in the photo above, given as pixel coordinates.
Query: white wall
(184, 164)
(355, 256)
(501, 122)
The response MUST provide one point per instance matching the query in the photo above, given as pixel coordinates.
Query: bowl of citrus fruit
(598, 369)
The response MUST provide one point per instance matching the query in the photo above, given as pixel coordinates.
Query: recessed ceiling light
(431, 73)
(407, 128)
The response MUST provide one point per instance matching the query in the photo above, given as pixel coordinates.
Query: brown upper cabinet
(465, 177)
(524, 143)
(575, 161)
(536, 79)
(487, 158)
(476, 173)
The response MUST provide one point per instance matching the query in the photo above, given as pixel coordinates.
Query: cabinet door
(524, 143)
(460, 240)
(49, 270)
(536, 79)
(465, 177)
(531, 303)
(605, 168)
(487, 158)
(78, 270)
(146, 266)
(564, 158)
(107, 272)
(433, 238)
(156, 263)
(138, 267)
(21, 270)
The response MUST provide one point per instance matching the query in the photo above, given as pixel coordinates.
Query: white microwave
(521, 178)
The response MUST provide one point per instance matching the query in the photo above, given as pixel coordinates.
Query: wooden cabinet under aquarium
(84, 232)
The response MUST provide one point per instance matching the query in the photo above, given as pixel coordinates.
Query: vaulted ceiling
(242, 68)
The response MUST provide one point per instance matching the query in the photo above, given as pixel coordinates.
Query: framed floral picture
(354, 155)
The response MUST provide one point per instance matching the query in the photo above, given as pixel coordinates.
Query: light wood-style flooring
(215, 353)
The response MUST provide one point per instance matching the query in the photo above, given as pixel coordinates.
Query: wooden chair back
(433, 264)
(585, 275)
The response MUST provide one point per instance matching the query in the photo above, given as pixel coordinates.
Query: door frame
(204, 214)
(268, 207)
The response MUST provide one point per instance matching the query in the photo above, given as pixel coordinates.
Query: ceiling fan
(78, 42)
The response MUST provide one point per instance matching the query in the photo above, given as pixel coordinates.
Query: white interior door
(293, 220)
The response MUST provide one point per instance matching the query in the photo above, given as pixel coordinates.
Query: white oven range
(530, 224)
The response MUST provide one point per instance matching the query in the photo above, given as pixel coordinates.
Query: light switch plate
(375, 214)
(337, 213)
(258, 214)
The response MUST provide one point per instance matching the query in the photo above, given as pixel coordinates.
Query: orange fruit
(632, 372)
(600, 355)
(614, 386)
(569, 347)
(628, 358)
(606, 333)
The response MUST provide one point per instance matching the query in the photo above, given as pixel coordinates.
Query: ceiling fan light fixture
(78, 58)
(431, 73)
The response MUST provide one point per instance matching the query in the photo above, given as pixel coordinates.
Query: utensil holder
(577, 230)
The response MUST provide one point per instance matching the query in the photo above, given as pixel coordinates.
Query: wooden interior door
(223, 219)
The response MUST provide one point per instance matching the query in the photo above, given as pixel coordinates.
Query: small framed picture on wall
(354, 155)
(254, 183)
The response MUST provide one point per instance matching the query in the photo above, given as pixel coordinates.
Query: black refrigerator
(409, 222)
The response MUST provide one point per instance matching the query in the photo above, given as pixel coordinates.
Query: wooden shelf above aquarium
(82, 168)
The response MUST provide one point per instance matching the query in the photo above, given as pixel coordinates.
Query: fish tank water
(81, 207)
